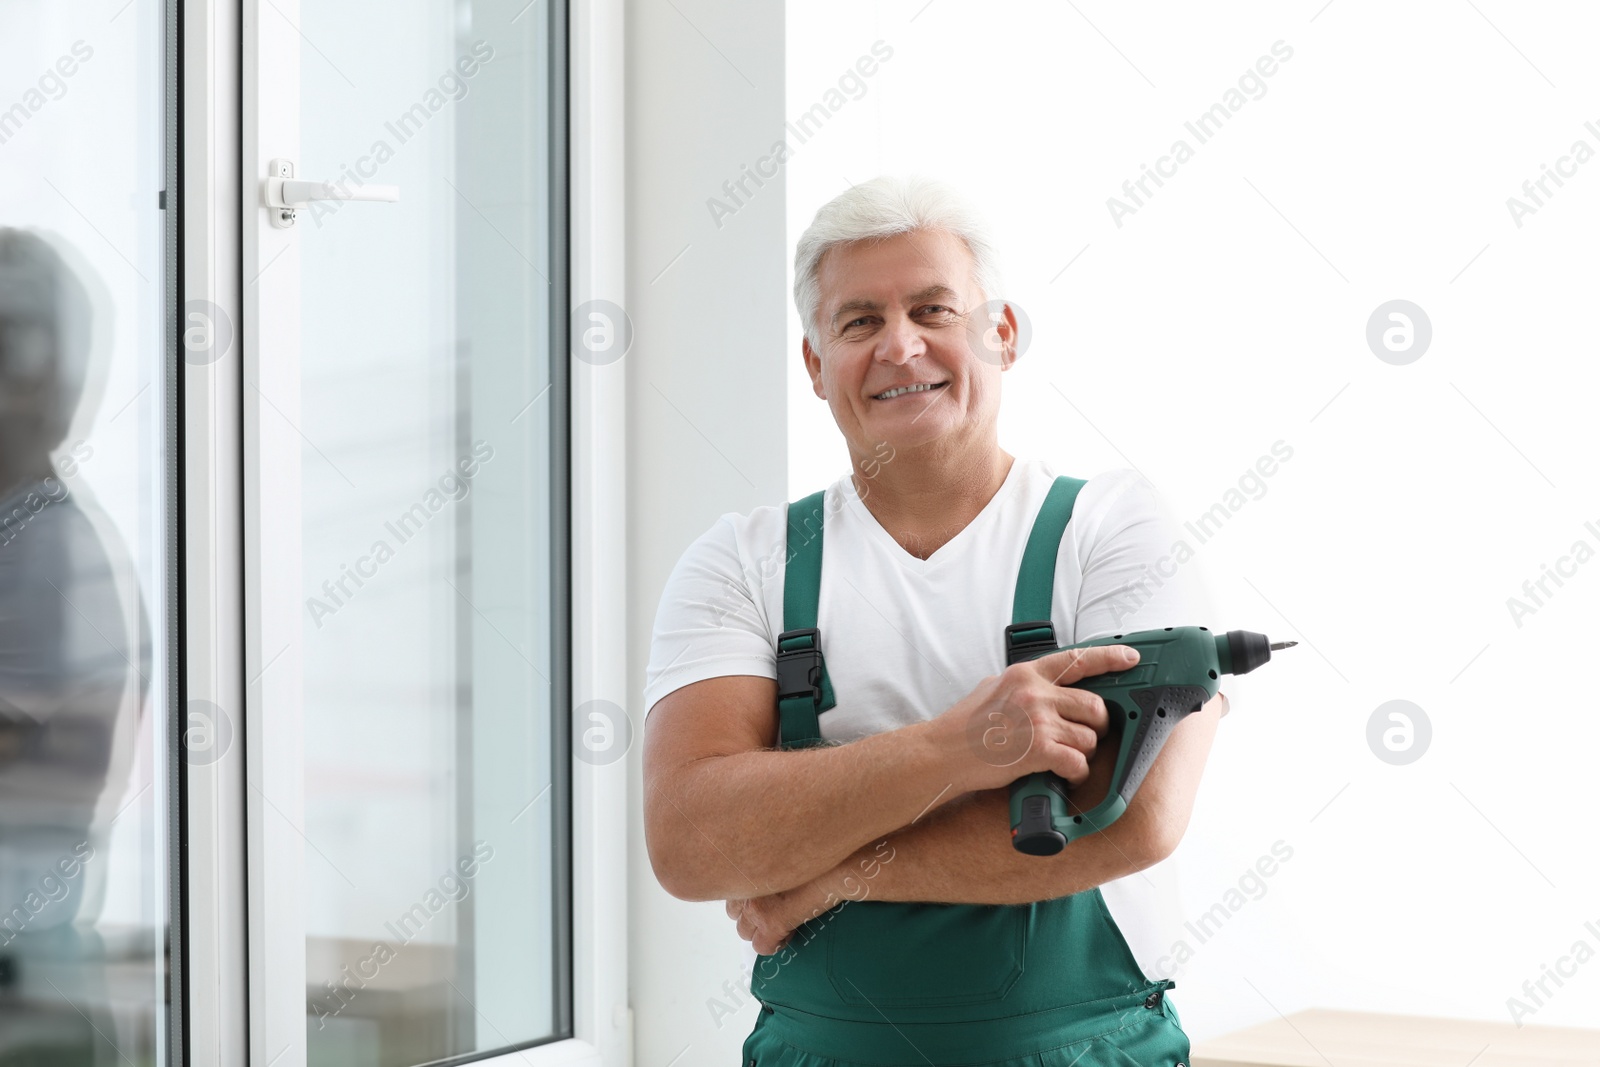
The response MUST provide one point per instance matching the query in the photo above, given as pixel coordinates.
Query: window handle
(284, 193)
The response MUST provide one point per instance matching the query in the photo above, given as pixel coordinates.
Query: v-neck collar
(952, 548)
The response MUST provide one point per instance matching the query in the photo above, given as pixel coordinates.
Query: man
(75, 660)
(873, 871)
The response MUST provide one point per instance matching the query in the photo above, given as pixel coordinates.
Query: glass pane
(84, 706)
(435, 837)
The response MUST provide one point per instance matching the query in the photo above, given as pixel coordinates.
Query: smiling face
(906, 311)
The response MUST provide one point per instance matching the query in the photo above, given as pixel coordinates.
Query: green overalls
(1047, 984)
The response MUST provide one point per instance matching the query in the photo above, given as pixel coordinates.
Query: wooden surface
(1321, 1038)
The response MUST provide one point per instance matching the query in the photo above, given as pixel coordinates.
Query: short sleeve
(1139, 572)
(710, 621)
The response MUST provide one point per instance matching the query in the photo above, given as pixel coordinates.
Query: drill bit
(1276, 645)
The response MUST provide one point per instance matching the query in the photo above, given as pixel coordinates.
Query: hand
(762, 922)
(768, 922)
(1028, 719)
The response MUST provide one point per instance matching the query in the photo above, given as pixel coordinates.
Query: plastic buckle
(1016, 651)
(800, 669)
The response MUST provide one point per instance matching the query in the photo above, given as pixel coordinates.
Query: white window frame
(213, 906)
(245, 960)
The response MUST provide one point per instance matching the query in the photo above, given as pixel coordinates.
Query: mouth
(910, 390)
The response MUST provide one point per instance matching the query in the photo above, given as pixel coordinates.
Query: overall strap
(804, 690)
(1031, 630)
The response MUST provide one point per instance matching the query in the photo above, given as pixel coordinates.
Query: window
(87, 521)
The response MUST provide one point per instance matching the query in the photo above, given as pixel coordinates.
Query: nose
(901, 340)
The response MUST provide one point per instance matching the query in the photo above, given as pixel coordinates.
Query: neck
(924, 500)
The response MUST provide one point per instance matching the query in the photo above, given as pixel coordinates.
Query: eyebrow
(860, 304)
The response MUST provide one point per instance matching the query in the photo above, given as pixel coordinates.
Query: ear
(1006, 329)
(813, 364)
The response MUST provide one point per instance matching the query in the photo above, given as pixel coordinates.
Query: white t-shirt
(906, 638)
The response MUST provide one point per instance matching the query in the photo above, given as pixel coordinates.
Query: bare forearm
(962, 853)
(951, 857)
(756, 823)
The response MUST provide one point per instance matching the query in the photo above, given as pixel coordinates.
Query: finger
(1071, 764)
(1081, 707)
(1071, 664)
(1076, 735)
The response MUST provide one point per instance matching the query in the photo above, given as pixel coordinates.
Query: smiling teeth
(907, 389)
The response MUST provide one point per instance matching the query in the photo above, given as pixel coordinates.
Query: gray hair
(884, 207)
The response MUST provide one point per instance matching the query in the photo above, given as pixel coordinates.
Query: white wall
(706, 431)
(1228, 313)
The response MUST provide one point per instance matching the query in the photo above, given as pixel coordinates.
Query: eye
(939, 308)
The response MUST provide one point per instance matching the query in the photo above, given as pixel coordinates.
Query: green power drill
(1177, 672)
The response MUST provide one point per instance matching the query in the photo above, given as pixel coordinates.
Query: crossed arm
(784, 836)
(962, 854)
